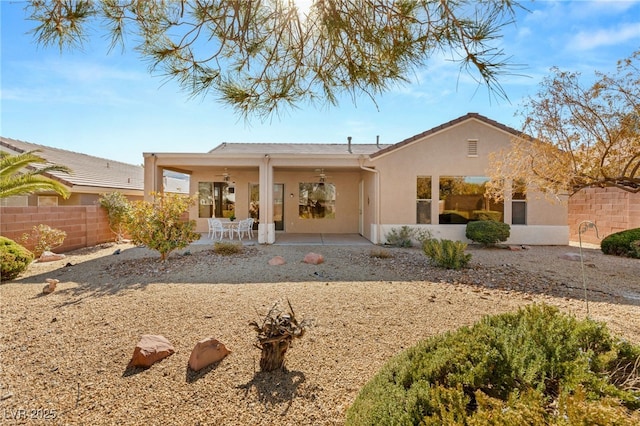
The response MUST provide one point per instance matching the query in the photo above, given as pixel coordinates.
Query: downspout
(377, 191)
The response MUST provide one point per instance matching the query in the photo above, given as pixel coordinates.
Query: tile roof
(297, 148)
(468, 116)
(86, 170)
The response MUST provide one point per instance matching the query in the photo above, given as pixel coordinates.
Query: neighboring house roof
(297, 148)
(87, 171)
(434, 130)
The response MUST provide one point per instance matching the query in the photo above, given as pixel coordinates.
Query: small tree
(159, 224)
(118, 210)
(275, 334)
(44, 238)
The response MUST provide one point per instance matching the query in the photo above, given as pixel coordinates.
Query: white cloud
(585, 40)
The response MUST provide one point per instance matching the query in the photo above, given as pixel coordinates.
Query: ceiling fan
(225, 176)
(322, 176)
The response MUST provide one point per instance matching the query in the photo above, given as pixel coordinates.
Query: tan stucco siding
(446, 154)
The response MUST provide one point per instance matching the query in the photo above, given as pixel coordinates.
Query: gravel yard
(64, 355)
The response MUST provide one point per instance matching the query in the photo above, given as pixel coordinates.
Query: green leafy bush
(446, 253)
(535, 366)
(405, 236)
(44, 238)
(160, 225)
(623, 243)
(118, 211)
(14, 259)
(487, 232)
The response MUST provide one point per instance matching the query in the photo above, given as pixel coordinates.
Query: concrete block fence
(611, 209)
(85, 226)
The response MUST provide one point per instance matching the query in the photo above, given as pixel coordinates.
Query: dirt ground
(64, 355)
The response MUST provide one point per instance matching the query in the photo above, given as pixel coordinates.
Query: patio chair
(250, 220)
(243, 228)
(215, 227)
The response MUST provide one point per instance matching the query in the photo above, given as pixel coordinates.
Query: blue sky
(108, 105)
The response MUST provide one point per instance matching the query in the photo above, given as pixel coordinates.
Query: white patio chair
(242, 229)
(215, 228)
(250, 220)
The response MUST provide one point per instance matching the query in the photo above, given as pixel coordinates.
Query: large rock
(571, 256)
(277, 260)
(313, 258)
(207, 352)
(50, 287)
(149, 350)
(48, 256)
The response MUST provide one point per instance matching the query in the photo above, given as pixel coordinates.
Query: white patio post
(266, 227)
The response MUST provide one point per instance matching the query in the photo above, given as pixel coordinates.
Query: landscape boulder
(313, 258)
(50, 287)
(49, 256)
(277, 260)
(206, 352)
(149, 350)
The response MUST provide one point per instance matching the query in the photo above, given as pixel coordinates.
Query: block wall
(85, 226)
(611, 209)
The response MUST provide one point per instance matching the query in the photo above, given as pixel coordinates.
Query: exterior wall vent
(472, 147)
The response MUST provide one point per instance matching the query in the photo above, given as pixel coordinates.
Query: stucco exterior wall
(446, 154)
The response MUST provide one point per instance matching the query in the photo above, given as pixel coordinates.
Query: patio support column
(266, 227)
(152, 176)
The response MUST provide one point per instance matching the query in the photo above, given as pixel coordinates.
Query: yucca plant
(446, 253)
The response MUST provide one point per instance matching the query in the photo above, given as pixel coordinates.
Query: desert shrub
(535, 366)
(160, 226)
(405, 236)
(623, 243)
(446, 253)
(227, 249)
(487, 232)
(44, 238)
(118, 210)
(14, 259)
(380, 254)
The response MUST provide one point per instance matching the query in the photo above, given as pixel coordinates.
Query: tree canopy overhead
(578, 136)
(260, 55)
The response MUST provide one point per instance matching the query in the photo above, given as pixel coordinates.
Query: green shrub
(118, 210)
(623, 243)
(227, 249)
(535, 366)
(446, 253)
(14, 259)
(405, 236)
(160, 225)
(487, 232)
(44, 238)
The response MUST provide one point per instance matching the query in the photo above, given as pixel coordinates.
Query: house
(433, 180)
(90, 176)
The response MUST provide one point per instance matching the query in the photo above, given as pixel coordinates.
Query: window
(462, 199)
(423, 199)
(215, 199)
(518, 203)
(317, 201)
(47, 200)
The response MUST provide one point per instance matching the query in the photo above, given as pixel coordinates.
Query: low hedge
(14, 259)
(535, 366)
(487, 232)
(623, 243)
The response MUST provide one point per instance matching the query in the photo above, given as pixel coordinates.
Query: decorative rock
(50, 286)
(149, 350)
(48, 256)
(313, 258)
(277, 260)
(515, 248)
(571, 256)
(207, 352)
